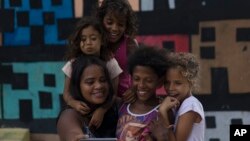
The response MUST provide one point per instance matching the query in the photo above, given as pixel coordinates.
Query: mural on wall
(33, 41)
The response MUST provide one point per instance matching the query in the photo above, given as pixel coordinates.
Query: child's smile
(145, 80)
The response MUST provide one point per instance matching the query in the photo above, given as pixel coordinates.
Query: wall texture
(32, 45)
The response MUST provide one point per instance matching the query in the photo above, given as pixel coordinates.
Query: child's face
(91, 41)
(100, 2)
(114, 26)
(176, 85)
(145, 82)
(93, 85)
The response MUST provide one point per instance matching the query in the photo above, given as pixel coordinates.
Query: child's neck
(142, 107)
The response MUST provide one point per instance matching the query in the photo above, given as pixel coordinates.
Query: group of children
(111, 81)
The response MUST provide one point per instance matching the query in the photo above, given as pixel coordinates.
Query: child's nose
(98, 85)
(88, 41)
(141, 84)
(114, 27)
(171, 86)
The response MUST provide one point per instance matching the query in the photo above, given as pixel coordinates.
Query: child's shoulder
(191, 100)
(69, 114)
(191, 104)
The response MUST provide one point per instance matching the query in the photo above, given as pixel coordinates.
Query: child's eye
(135, 78)
(109, 22)
(178, 83)
(121, 24)
(149, 80)
(103, 80)
(83, 39)
(93, 38)
(89, 82)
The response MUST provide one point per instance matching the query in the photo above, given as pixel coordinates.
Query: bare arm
(183, 128)
(165, 109)
(129, 95)
(159, 131)
(69, 126)
(66, 93)
(185, 122)
(77, 105)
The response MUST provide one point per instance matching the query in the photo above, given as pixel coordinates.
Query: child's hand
(80, 107)
(161, 98)
(158, 130)
(168, 103)
(79, 137)
(97, 118)
(129, 96)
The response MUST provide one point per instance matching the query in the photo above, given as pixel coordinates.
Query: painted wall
(32, 45)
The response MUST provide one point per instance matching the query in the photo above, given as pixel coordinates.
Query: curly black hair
(149, 56)
(123, 9)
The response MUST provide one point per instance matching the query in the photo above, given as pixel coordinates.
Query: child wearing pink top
(124, 78)
(120, 23)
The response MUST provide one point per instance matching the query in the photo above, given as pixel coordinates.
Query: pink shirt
(121, 57)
